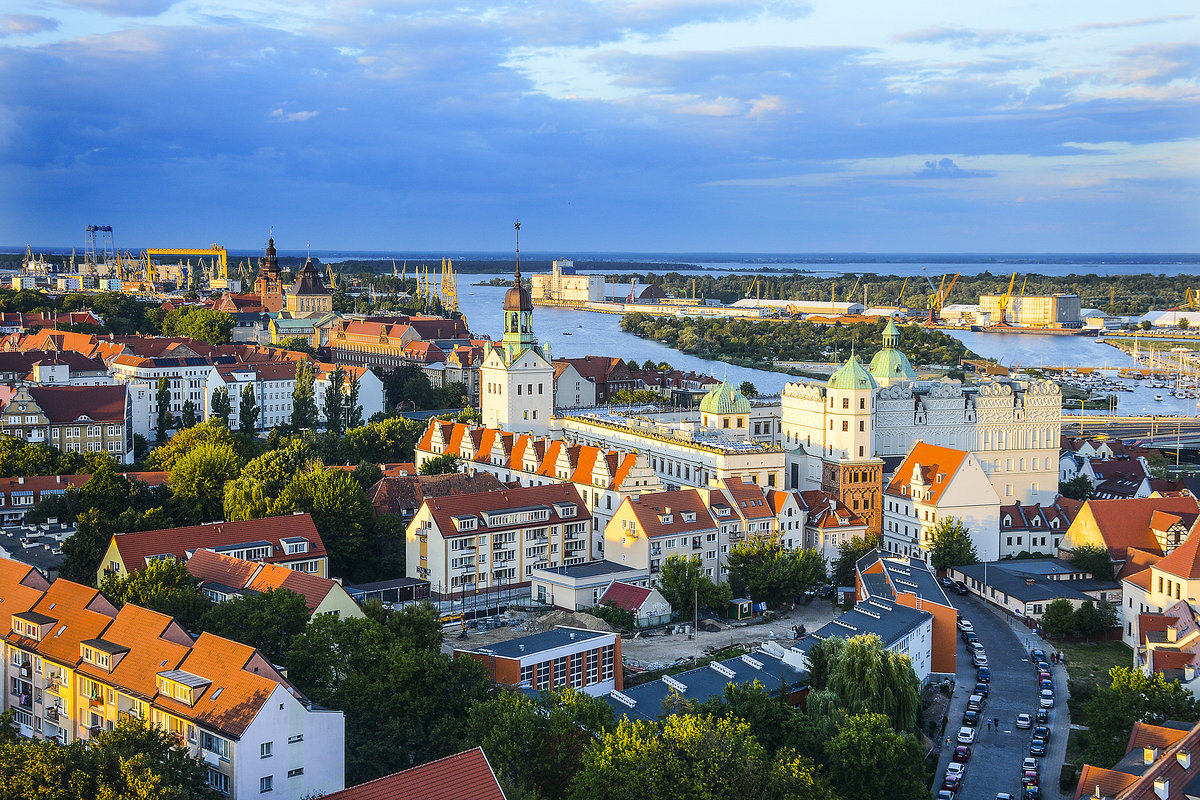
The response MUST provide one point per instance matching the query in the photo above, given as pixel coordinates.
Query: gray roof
(590, 569)
(906, 574)
(889, 621)
(705, 682)
(1031, 587)
(538, 642)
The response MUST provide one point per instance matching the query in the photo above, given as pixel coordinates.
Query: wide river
(578, 333)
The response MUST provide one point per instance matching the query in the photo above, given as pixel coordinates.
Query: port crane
(1005, 299)
(937, 300)
(850, 296)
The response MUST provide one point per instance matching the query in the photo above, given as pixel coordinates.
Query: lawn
(1090, 662)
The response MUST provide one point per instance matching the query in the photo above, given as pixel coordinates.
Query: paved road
(995, 764)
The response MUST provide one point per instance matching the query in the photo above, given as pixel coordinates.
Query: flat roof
(539, 642)
(590, 569)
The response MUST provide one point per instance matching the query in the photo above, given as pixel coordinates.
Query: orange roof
(313, 588)
(21, 586)
(1110, 782)
(135, 547)
(230, 668)
(445, 509)
(933, 465)
(651, 511)
(156, 643)
(1184, 561)
(80, 613)
(1137, 560)
(1140, 579)
(212, 567)
(749, 498)
(1122, 524)
(457, 777)
(826, 511)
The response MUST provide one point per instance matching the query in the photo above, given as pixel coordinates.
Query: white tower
(849, 397)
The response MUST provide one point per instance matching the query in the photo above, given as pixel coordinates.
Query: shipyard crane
(850, 296)
(900, 297)
(1192, 298)
(1002, 303)
(937, 300)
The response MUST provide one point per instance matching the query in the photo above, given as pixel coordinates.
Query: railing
(52, 713)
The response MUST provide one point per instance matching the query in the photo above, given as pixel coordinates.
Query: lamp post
(1081, 402)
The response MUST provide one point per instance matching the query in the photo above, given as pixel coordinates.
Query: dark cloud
(946, 168)
(25, 24)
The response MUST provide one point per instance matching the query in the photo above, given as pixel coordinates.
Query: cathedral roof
(309, 282)
(851, 375)
(724, 399)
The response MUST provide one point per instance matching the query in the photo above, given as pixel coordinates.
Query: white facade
(517, 396)
(306, 750)
(572, 390)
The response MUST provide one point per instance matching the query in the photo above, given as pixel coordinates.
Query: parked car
(965, 625)
(968, 637)
(1029, 778)
(1037, 747)
(966, 735)
(1037, 654)
(983, 675)
(825, 592)
(1033, 793)
(946, 794)
(1004, 796)
(1046, 685)
(982, 688)
(951, 782)
(971, 718)
(1042, 666)
(1045, 676)
(946, 582)
(1046, 698)
(975, 646)
(1042, 716)
(1042, 732)
(961, 588)
(979, 659)
(962, 753)
(1030, 764)
(1024, 721)
(955, 768)
(976, 702)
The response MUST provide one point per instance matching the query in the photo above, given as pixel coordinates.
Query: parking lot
(995, 763)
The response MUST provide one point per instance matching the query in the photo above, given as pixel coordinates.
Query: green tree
(304, 404)
(164, 420)
(334, 406)
(367, 474)
(1093, 559)
(865, 676)
(163, 457)
(198, 479)
(353, 413)
(1088, 620)
(221, 407)
(748, 389)
(440, 465)
(1059, 618)
(187, 417)
(254, 492)
(84, 550)
(341, 514)
(772, 720)
(248, 413)
(268, 621)
(849, 552)
(950, 545)
(1129, 697)
(297, 344)
(763, 568)
(870, 760)
(416, 625)
(203, 324)
(165, 586)
(1078, 488)
(693, 757)
(682, 580)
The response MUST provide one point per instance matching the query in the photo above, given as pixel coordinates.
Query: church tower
(890, 365)
(850, 469)
(268, 285)
(516, 379)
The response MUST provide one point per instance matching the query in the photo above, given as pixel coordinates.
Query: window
(845, 402)
(293, 773)
(264, 750)
(266, 784)
(845, 425)
(218, 780)
(299, 737)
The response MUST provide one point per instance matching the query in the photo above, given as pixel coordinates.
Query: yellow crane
(215, 250)
(1003, 302)
(900, 297)
(1192, 299)
(937, 300)
(850, 296)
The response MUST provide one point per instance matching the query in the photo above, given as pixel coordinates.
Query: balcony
(52, 713)
(24, 701)
(210, 758)
(53, 686)
(26, 671)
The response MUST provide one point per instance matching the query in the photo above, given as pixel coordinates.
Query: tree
(865, 676)
(1059, 618)
(440, 465)
(341, 514)
(849, 552)
(1183, 323)
(187, 417)
(869, 760)
(748, 389)
(221, 407)
(204, 324)
(693, 756)
(1087, 619)
(267, 621)
(198, 479)
(352, 409)
(304, 404)
(165, 586)
(334, 406)
(762, 567)
(1078, 488)
(163, 457)
(1131, 696)
(773, 722)
(1094, 560)
(248, 412)
(950, 545)
(682, 580)
(297, 344)
(163, 399)
(254, 492)
(416, 625)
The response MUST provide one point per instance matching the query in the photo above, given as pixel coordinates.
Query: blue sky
(634, 125)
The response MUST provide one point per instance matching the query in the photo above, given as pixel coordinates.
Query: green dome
(724, 399)
(891, 363)
(852, 376)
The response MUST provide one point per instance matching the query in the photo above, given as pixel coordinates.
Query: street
(995, 764)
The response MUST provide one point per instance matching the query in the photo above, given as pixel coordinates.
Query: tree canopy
(681, 580)
(761, 568)
(1131, 696)
(951, 545)
(165, 586)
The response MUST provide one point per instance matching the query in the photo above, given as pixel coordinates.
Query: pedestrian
(989, 724)
(947, 741)
(996, 722)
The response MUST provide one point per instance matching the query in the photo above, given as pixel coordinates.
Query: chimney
(21, 481)
(1172, 634)
(1149, 755)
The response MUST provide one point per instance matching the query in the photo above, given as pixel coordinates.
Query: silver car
(1047, 698)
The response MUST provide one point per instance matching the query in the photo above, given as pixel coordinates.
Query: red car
(1029, 778)
(962, 754)
(952, 782)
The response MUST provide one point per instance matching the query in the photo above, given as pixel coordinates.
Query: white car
(1047, 698)
(979, 659)
(965, 625)
(1030, 765)
(955, 768)
(1024, 721)
(966, 735)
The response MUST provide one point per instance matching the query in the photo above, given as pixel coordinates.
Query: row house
(829, 523)
(75, 665)
(1036, 528)
(224, 577)
(290, 541)
(20, 494)
(75, 419)
(607, 376)
(1153, 526)
(465, 774)
(603, 478)
(52, 367)
(936, 483)
(478, 541)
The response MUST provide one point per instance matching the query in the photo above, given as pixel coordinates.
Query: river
(571, 334)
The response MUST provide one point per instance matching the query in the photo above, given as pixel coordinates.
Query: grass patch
(1089, 662)
(1074, 748)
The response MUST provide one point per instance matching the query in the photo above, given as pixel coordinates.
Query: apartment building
(1036, 528)
(935, 483)
(910, 582)
(903, 630)
(1156, 588)
(21, 494)
(185, 375)
(75, 419)
(646, 531)
(586, 660)
(829, 522)
(291, 541)
(224, 577)
(478, 541)
(74, 665)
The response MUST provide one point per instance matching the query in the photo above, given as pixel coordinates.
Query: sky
(619, 126)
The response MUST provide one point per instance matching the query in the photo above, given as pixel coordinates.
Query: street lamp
(1081, 402)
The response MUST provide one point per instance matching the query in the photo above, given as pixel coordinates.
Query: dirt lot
(660, 648)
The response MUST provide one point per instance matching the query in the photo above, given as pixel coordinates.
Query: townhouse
(291, 541)
(401, 495)
(224, 577)
(1160, 587)
(487, 539)
(52, 367)
(1170, 644)
(646, 531)
(1159, 764)
(829, 522)
(75, 419)
(1036, 528)
(935, 483)
(75, 665)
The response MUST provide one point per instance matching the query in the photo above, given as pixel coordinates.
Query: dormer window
(295, 545)
(182, 686)
(32, 625)
(689, 516)
(102, 654)
(566, 509)
(1007, 521)
(465, 522)
(666, 519)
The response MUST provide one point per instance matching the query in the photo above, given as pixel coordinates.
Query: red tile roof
(651, 510)
(625, 596)
(826, 511)
(937, 465)
(1122, 524)
(1110, 782)
(63, 404)
(444, 509)
(749, 498)
(405, 493)
(136, 547)
(1184, 561)
(462, 776)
